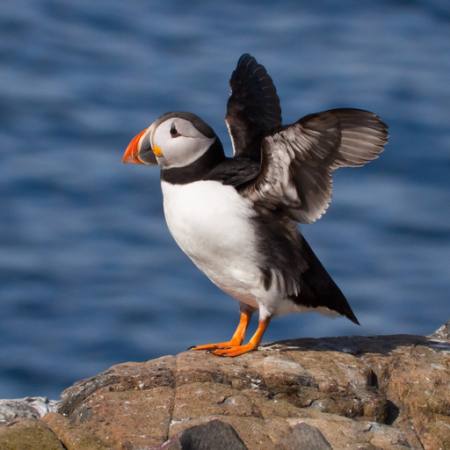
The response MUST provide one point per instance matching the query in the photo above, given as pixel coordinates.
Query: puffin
(237, 217)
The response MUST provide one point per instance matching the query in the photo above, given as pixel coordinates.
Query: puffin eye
(173, 131)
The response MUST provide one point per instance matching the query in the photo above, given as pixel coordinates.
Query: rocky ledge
(383, 392)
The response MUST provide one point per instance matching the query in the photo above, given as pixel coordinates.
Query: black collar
(198, 169)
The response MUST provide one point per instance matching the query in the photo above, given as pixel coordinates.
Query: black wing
(298, 160)
(253, 109)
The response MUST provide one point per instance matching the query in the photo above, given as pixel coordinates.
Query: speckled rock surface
(28, 434)
(371, 393)
(26, 408)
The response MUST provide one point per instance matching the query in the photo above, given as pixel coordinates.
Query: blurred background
(89, 275)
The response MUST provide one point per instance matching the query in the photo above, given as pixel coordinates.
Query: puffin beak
(131, 154)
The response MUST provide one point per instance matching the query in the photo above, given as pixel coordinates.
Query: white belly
(210, 222)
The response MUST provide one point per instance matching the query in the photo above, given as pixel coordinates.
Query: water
(89, 275)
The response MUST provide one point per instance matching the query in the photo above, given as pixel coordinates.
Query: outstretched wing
(253, 109)
(297, 161)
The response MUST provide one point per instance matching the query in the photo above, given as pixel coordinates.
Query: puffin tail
(319, 289)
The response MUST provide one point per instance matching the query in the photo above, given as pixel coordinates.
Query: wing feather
(253, 109)
(298, 161)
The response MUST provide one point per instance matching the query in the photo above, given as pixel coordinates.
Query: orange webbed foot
(252, 344)
(237, 337)
(215, 346)
(236, 350)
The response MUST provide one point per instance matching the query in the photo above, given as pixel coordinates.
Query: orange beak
(131, 154)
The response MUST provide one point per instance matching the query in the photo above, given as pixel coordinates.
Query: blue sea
(89, 275)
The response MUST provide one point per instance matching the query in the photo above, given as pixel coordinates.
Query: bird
(237, 217)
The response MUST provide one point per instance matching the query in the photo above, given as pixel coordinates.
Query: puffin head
(174, 140)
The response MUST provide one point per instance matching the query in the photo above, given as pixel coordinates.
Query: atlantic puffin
(236, 218)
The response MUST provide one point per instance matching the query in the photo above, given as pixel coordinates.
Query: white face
(177, 143)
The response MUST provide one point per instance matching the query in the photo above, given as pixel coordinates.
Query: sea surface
(89, 275)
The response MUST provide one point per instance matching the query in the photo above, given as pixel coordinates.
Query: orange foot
(237, 337)
(252, 343)
(226, 344)
(236, 350)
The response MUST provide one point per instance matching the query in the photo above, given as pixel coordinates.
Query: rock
(305, 437)
(442, 333)
(368, 393)
(209, 436)
(28, 434)
(28, 407)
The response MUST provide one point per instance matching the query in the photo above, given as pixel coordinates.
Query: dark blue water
(89, 275)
